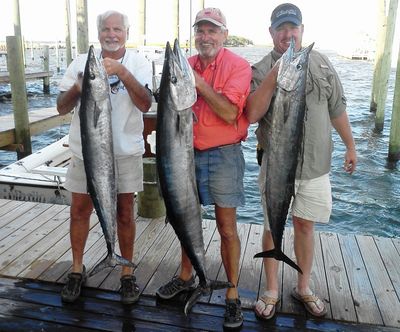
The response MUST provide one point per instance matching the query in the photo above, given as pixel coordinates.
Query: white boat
(38, 177)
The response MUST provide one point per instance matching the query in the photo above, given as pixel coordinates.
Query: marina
(358, 278)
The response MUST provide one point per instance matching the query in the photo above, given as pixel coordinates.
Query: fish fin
(280, 256)
(195, 119)
(96, 114)
(205, 290)
(111, 261)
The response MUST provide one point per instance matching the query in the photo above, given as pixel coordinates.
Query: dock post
(150, 201)
(386, 66)
(394, 140)
(16, 68)
(82, 26)
(68, 51)
(46, 67)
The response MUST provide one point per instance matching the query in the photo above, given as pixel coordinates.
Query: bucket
(150, 201)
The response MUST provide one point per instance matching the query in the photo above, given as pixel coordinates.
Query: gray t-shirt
(325, 100)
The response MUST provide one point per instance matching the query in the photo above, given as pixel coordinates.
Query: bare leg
(230, 246)
(126, 229)
(81, 208)
(304, 250)
(186, 267)
(271, 266)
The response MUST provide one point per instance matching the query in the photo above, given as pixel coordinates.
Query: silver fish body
(98, 156)
(284, 141)
(175, 163)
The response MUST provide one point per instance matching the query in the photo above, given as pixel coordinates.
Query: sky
(331, 24)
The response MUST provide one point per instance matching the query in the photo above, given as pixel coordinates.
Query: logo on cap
(284, 13)
(213, 15)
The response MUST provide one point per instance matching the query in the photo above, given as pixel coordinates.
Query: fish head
(178, 74)
(293, 67)
(95, 77)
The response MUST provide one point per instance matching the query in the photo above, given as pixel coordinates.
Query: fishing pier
(357, 277)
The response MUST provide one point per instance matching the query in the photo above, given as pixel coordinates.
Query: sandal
(307, 299)
(266, 300)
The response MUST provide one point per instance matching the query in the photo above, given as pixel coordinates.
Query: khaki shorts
(129, 174)
(313, 200)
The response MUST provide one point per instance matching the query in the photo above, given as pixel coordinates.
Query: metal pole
(82, 26)
(68, 52)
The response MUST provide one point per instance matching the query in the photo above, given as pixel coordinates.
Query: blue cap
(285, 13)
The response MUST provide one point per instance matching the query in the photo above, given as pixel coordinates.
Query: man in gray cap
(325, 106)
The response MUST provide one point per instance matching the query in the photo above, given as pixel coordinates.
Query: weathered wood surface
(357, 276)
(5, 76)
(40, 120)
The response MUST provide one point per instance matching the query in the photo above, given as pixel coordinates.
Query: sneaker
(72, 288)
(174, 287)
(233, 314)
(129, 289)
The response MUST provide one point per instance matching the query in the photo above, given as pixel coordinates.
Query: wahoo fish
(98, 155)
(175, 164)
(284, 140)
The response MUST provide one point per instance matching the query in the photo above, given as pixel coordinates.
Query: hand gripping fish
(284, 139)
(175, 164)
(98, 155)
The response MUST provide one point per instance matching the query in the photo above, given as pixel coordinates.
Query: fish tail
(280, 256)
(202, 290)
(111, 260)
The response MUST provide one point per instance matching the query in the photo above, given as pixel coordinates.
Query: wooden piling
(394, 140)
(68, 52)
(386, 66)
(378, 53)
(150, 201)
(15, 65)
(82, 26)
(141, 23)
(175, 18)
(46, 68)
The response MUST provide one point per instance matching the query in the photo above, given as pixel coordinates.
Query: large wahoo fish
(98, 155)
(175, 164)
(284, 140)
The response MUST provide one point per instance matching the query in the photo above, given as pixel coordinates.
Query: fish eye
(299, 67)
(173, 79)
(92, 76)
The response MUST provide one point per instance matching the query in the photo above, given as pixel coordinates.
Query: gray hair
(102, 17)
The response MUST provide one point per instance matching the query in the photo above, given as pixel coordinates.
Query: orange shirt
(230, 75)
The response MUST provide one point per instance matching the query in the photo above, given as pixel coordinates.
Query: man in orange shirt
(223, 83)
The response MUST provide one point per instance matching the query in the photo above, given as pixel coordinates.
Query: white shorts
(312, 201)
(129, 174)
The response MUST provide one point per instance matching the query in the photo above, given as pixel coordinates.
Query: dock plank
(382, 285)
(358, 271)
(340, 296)
(363, 296)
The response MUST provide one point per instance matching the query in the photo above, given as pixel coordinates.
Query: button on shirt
(230, 75)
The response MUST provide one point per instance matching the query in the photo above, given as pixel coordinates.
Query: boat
(38, 177)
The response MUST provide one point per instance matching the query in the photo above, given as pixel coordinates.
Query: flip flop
(307, 299)
(267, 300)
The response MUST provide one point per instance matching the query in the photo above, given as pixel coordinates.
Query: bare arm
(67, 100)
(140, 96)
(342, 126)
(218, 103)
(258, 101)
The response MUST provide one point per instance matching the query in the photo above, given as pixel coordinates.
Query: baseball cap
(285, 12)
(213, 15)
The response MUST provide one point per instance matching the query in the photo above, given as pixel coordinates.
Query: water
(366, 202)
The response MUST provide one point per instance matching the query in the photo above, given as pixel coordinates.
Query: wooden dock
(357, 276)
(40, 120)
(5, 76)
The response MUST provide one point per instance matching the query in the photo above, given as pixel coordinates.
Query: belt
(218, 147)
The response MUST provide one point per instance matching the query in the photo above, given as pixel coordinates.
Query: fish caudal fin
(111, 261)
(280, 256)
(205, 290)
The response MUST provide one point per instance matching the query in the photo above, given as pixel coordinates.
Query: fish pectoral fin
(280, 256)
(96, 114)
